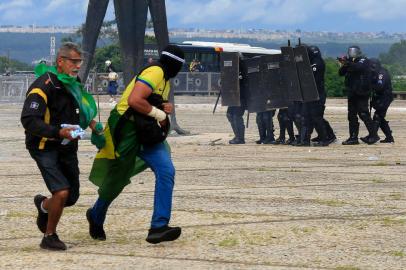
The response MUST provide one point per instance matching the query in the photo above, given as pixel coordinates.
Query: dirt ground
(240, 206)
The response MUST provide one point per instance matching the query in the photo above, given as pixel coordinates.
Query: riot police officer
(355, 68)
(235, 117)
(382, 97)
(325, 134)
(235, 113)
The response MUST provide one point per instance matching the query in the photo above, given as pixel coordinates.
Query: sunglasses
(77, 61)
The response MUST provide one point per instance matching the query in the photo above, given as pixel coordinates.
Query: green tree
(11, 65)
(334, 84)
(395, 59)
(110, 52)
(395, 62)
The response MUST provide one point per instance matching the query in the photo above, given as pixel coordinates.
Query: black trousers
(358, 107)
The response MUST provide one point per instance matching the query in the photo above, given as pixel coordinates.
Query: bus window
(210, 61)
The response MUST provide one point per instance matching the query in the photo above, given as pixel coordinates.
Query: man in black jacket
(382, 97)
(47, 106)
(325, 134)
(357, 74)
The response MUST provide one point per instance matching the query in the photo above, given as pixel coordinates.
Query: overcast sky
(307, 15)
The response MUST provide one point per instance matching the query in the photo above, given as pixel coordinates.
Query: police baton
(217, 101)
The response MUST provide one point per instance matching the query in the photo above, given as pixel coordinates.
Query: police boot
(304, 137)
(296, 141)
(372, 127)
(289, 128)
(387, 131)
(353, 139)
(282, 129)
(240, 133)
(262, 133)
(322, 134)
(281, 139)
(331, 137)
(315, 139)
(233, 127)
(270, 137)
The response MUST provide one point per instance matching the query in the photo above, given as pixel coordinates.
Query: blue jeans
(158, 158)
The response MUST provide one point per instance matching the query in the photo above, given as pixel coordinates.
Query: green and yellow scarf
(87, 105)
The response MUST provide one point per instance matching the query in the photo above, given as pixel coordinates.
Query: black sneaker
(42, 218)
(52, 242)
(96, 231)
(165, 233)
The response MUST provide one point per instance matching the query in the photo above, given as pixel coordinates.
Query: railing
(188, 83)
(400, 95)
(13, 88)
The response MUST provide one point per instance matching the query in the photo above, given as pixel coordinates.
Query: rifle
(342, 59)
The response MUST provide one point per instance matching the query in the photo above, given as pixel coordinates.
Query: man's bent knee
(72, 199)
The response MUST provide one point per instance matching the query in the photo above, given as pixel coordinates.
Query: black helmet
(313, 51)
(172, 59)
(354, 52)
(374, 64)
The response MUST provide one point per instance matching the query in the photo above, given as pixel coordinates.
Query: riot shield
(256, 91)
(271, 82)
(307, 83)
(289, 74)
(230, 83)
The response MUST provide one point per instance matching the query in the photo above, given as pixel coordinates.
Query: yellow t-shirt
(152, 77)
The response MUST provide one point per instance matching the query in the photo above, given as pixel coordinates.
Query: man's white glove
(157, 114)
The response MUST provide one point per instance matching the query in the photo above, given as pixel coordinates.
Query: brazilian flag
(116, 162)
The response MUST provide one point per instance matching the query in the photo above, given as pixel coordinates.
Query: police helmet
(374, 64)
(354, 52)
(313, 51)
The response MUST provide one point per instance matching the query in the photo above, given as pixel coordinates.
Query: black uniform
(235, 117)
(235, 113)
(357, 78)
(265, 127)
(381, 99)
(316, 108)
(285, 124)
(48, 105)
(302, 122)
